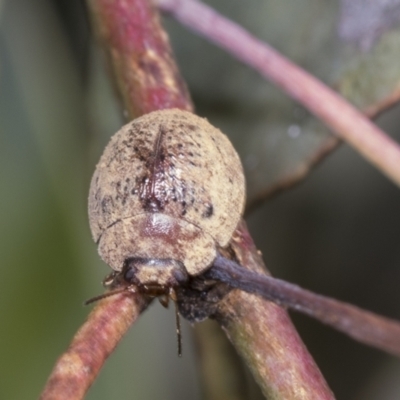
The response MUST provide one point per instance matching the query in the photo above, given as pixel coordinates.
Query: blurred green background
(337, 233)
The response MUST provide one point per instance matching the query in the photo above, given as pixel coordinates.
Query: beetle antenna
(178, 330)
(108, 294)
(364, 326)
(173, 297)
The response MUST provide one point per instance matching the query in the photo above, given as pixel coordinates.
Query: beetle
(168, 191)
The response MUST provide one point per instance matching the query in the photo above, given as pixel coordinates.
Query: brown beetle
(168, 191)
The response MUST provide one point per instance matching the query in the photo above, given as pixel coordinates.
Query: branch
(363, 326)
(264, 336)
(341, 117)
(78, 367)
(140, 56)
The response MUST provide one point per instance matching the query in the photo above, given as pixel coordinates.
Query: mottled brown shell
(168, 185)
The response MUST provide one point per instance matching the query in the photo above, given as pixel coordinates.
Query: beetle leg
(164, 300)
(173, 296)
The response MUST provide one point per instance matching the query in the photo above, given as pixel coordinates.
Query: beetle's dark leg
(109, 280)
(172, 295)
(164, 300)
(130, 289)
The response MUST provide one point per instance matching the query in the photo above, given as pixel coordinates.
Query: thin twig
(363, 326)
(341, 117)
(78, 367)
(140, 55)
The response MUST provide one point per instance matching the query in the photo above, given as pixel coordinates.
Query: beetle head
(154, 276)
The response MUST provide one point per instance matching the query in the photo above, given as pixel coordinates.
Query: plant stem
(78, 367)
(363, 326)
(140, 55)
(264, 336)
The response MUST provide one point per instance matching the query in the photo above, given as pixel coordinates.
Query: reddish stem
(265, 337)
(362, 325)
(78, 367)
(140, 54)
